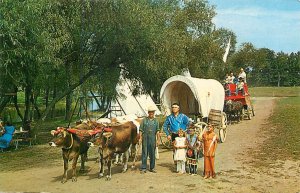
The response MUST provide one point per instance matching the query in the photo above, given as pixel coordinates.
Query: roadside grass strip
(282, 134)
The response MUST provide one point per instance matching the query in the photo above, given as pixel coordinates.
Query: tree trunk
(3, 102)
(97, 101)
(53, 97)
(68, 106)
(102, 99)
(278, 80)
(15, 98)
(34, 103)
(28, 91)
(67, 91)
(47, 97)
(106, 103)
(156, 97)
(69, 96)
(6, 95)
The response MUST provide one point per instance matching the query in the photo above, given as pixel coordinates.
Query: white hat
(151, 108)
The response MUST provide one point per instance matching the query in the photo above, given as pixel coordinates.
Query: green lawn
(29, 157)
(274, 91)
(283, 134)
(285, 131)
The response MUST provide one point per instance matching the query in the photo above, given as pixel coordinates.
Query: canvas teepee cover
(126, 103)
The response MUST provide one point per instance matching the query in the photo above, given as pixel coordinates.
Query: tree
(261, 71)
(19, 51)
(293, 69)
(280, 69)
(63, 48)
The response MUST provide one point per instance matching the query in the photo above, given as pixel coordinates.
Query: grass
(286, 133)
(275, 91)
(283, 132)
(29, 157)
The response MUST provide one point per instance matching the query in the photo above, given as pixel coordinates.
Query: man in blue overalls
(149, 129)
(174, 122)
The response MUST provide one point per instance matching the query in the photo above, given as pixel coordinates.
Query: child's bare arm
(175, 144)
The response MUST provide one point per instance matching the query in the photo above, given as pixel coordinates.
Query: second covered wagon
(200, 99)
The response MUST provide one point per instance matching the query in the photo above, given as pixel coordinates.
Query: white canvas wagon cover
(195, 96)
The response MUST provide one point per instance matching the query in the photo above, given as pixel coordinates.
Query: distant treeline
(55, 51)
(264, 67)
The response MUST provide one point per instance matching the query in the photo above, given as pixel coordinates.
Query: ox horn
(107, 134)
(52, 132)
(64, 133)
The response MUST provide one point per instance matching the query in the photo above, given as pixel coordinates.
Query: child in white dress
(180, 151)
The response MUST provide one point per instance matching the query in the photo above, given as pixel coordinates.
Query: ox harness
(86, 134)
(82, 134)
(72, 142)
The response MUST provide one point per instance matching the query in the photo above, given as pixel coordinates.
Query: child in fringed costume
(210, 140)
(180, 145)
(192, 151)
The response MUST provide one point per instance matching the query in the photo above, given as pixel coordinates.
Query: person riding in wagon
(240, 86)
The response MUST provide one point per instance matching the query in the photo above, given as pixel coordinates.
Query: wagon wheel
(164, 140)
(244, 113)
(249, 112)
(200, 127)
(223, 128)
(222, 135)
(253, 113)
(224, 121)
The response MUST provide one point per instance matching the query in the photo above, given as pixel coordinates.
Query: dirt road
(232, 165)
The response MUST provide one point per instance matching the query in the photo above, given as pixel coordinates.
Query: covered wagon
(200, 99)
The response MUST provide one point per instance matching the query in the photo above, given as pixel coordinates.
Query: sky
(273, 24)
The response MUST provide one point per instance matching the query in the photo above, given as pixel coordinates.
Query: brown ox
(133, 149)
(72, 145)
(117, 141)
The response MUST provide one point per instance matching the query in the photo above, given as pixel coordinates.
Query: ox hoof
(108, 178)
(133, 167)
(124, 170)
(100, 175)
(63, 181)
(117, 163)
(74, 179)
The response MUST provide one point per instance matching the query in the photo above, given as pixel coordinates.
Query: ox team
(119, 137)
